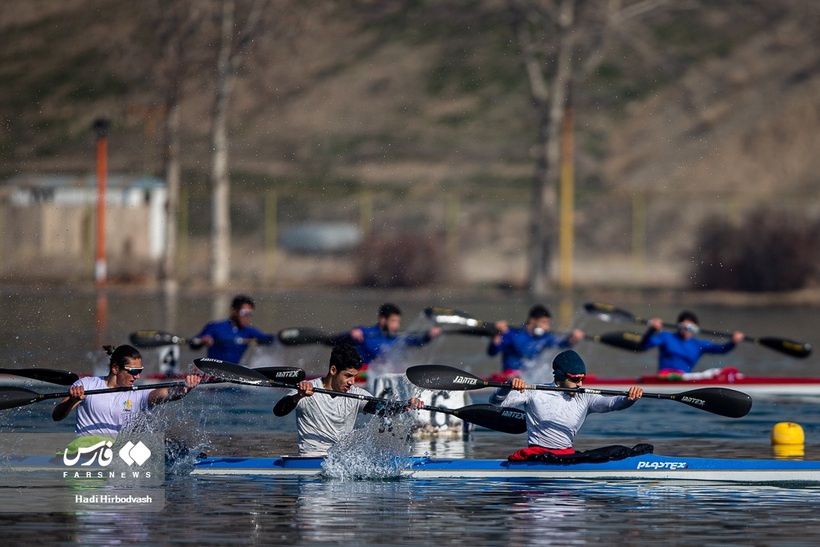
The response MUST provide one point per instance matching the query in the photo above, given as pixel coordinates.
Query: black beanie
(567, 362)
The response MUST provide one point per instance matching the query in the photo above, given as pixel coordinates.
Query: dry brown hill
(425, 97)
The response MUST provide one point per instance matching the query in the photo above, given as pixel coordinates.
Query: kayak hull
(647, 467)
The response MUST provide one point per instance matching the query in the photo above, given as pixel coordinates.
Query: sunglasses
(694, 329)
(575, 378)
(245, 313)
(132, 370)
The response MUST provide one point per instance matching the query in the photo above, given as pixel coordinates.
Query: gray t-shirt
(322, 420)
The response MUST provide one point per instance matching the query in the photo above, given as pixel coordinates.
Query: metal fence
(619, 239)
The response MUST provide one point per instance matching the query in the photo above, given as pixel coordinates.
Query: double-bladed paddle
(468, 324)
(492, 417)
(610, 313)
(52, 376)
(159, 338)
(13, 397)
(444, 317)
(717, 400)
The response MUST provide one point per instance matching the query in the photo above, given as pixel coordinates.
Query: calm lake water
(63, 329)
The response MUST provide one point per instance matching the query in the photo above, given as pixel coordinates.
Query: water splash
(380, 450)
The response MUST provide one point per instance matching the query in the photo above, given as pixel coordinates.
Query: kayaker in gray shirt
(554, 417)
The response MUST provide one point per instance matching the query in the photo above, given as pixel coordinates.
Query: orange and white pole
(100, 264)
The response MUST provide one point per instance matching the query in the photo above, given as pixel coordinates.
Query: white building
(48, 224)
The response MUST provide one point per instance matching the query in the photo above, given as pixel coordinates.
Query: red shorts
(525, 453)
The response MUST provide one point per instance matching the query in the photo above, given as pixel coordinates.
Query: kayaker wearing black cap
(554, 417)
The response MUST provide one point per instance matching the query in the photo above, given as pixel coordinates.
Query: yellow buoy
(787, 440)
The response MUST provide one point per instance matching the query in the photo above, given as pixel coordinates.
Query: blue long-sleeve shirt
(378, 343)
(518, 346)
(230, 341)
(678, 355)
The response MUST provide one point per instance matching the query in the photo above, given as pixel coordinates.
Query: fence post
(366, 214)
(182, 233)
(638, 235)
(451, 227)
(271, 200)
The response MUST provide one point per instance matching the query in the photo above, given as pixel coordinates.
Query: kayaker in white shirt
(554, 417)
(322, 419)
(105, 414)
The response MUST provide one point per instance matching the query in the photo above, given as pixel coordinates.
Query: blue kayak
(644, 467)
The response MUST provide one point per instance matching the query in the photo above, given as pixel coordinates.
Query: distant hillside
(434, 97)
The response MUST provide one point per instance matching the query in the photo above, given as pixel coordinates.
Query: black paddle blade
(717, 400)
(154, 339)
(444, 377)
(12, 397)
(790, 347)
(608, 312)
(52, 376)
(624, 340)
(283, 375)
(230, 371)
(506, 420)
(483, 330)
(302, 336)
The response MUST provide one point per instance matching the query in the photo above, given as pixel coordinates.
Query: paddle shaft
(156, 339)
(349, 395)
(484, 415)
(505, 420)
(726, 402)
(27, 397)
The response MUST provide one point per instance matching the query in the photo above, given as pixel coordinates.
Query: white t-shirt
(554, 417)
(105, 414)
(322, 420)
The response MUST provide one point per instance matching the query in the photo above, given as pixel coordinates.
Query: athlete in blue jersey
(378, 340)
(228, 339)
(517, 346)
(679, 351)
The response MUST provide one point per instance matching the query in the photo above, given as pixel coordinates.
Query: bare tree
(560, 41)
(234, 44)
(548, 91)
(177, 26)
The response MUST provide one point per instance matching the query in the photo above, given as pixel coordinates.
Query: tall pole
(567, 196)
(100, 266)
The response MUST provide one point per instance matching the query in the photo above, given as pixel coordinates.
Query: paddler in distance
(520, 345)
(554, 417)
(680, 351)
(380, 340)
(322, 419)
